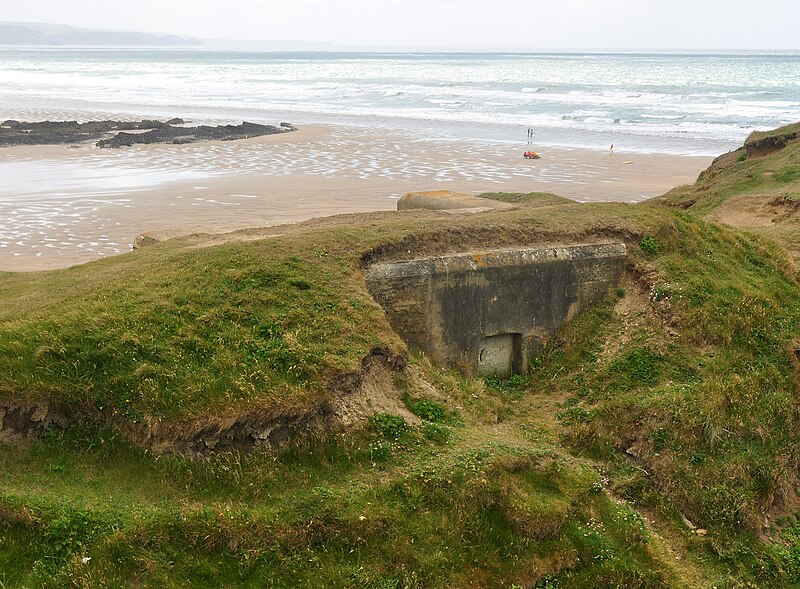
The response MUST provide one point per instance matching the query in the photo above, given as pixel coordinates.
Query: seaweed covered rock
(179, 135)
(14, 132)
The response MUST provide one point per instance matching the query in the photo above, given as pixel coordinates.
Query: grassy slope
(698, 390)
(534, 199)
(519, 483)
(174, 331)
(756, 135)
(757, 193)
(693, 398)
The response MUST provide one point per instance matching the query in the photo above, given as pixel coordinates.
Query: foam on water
(680, 104)
(667, 103)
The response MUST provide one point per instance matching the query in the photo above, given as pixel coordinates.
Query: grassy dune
(183, 329)
(756, 187)
(653, 443)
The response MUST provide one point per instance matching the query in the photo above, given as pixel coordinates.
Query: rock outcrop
(61, 132)
(146, 131)
(179, 135)
(441, 200)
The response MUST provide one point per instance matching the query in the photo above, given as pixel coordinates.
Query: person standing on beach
(611, 151)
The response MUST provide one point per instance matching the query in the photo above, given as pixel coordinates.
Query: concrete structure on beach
(488, 312)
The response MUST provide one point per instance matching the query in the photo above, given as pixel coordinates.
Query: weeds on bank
(496, 512)
(185, 330)
(699, 400)
(704, 400)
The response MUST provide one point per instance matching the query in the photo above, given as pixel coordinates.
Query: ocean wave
(621, 94)
(660, 96)
(664, 117)
(445, 102)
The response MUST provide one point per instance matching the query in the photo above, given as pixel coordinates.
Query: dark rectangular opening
(500, 355)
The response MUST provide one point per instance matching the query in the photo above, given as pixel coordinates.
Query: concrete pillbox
(486, 312)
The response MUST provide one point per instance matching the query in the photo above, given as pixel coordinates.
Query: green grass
(427, 517)
(788, 174)
(703, 393)
(536, 199)
(173, 331)
(576, 474)
(757, 135)
(756, 180)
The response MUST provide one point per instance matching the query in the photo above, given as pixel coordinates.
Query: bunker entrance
(484, 311)
(500, 355)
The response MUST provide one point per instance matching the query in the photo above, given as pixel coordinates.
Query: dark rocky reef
(147, 131)
(170, 134)
(60, 132)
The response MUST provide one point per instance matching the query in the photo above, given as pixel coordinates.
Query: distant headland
(51, 34)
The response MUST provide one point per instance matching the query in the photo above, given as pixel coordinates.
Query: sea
(678, 103)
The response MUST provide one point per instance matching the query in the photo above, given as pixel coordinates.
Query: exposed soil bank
(21, 420)
(352, 398)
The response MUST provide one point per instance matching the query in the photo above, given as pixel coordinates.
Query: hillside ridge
(650, 442)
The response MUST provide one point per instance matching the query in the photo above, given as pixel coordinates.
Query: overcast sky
(533, 24)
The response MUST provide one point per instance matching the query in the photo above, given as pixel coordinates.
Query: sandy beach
(64, 205)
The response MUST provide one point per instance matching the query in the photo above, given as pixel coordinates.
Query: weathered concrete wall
(486, 312)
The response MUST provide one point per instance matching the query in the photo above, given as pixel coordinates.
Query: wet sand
(63, 205)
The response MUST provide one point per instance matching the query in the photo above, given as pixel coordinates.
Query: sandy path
(62, 205)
